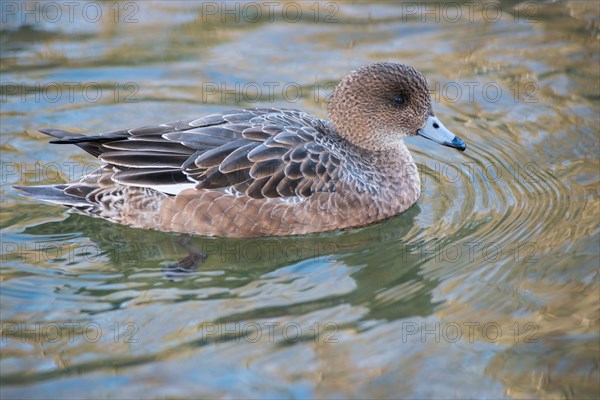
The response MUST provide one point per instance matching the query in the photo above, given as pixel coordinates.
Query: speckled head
(376, 106)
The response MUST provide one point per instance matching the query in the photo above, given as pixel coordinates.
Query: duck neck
(394, 167)
(395, 163)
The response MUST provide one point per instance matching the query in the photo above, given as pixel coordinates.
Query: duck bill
(436, 131)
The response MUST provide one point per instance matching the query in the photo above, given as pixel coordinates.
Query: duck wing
(260, 153)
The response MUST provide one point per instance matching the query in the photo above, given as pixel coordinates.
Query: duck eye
(399, 100)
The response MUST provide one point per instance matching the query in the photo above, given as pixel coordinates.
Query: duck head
(377, 106)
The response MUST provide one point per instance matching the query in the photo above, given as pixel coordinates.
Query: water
(487, 288)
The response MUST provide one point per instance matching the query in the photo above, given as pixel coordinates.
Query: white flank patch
(172, 189)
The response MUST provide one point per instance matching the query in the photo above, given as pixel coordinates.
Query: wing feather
(262, 153)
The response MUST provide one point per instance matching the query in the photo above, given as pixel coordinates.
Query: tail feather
(59, 133)
(53, 194)
(91, 144)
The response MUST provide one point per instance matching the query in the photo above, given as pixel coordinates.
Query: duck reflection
(376, 266)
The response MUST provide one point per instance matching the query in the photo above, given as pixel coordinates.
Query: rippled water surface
(488, 287)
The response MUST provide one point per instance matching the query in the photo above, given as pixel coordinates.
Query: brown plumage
(263, 172)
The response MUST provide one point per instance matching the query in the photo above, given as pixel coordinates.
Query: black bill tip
(458, 143)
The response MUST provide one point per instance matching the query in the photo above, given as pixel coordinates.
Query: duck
(258, 172)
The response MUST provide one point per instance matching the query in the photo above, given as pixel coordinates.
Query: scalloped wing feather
(262, 153)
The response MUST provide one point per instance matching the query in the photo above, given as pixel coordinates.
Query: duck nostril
(435, 125)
